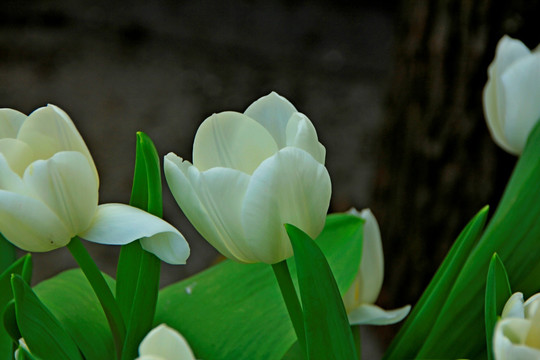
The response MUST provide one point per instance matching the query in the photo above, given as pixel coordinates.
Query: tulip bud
(360, 298)
(511, 105)
(517, 333)
(251, 174)
(164, 343)
(49, 191)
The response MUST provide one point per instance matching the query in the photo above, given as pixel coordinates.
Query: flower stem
(102, 291)
(283, 276)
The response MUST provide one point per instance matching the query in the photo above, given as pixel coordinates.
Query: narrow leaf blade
(497, 293)
(43, 333)
(328, 334)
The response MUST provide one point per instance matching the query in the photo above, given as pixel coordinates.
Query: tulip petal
(9, 180)
(532, 306)
(212, 201)
(10, 122)
(29, 224)
(273, 112)
(289, 187)
(67, 185)
(508, 52)
(119, 224)
(514, 307)
(17, 153)
(509, 338)
(302, 134)
(232, 140)
(368, 314)
(49, 130)
(165, 343)
(520, 90)
(372, 263)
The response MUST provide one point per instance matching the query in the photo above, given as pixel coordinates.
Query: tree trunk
(438, 164)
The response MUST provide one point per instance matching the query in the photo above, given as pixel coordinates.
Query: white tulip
(517, 333)
(511, 105)
(360, 299)
(252, 173)
(164, 343)
(49, 191)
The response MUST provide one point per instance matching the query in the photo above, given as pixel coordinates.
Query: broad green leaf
(235, 311)
(328, 334)
(6, 294)
(497, 293)
(513, 234)
(71, 299)
(43, 333)
(419, 323)
(138, 270)
(7, 253)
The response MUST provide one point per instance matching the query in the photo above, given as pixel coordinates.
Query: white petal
(18, 154)
(29, 224)
(165, 343)
(494, 119)
(289, 187)
(301, 134)
(211, 200)
(508, 52)
(521, 91)
(67, 185)
(532, 305)
(49, 130)
(273, 112)
(367, 314)
(514, 307)
(10, 122)
(233, 140)
(119, 224)
(372, 263)
(9, 180)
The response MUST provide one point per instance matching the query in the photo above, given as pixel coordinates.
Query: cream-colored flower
(517, 333)
(252, 173)
(511, 105)
(360, 299)
(49, 191)
(164, 343)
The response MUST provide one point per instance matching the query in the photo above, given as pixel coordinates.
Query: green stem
(102, 291)
(357, 340)
(283, 276)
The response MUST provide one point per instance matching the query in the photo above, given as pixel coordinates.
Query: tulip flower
(511, 105)
(49, 191)
(360, 298)
(164, 343)
(517, 333)
(251, 174)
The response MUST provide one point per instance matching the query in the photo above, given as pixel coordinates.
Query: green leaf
(6, 295)
(7, 253)
(73, 302)
(419, 323)
(497, 293)
(138, 270)
(513, 234)
(235, 311)
(328, 334)
(9, 319)
(43, 333)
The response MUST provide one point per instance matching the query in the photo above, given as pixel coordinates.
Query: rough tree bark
(438, 164)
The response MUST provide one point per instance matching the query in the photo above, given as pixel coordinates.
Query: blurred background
(394, 89)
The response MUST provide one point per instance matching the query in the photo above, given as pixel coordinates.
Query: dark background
(394, 90)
